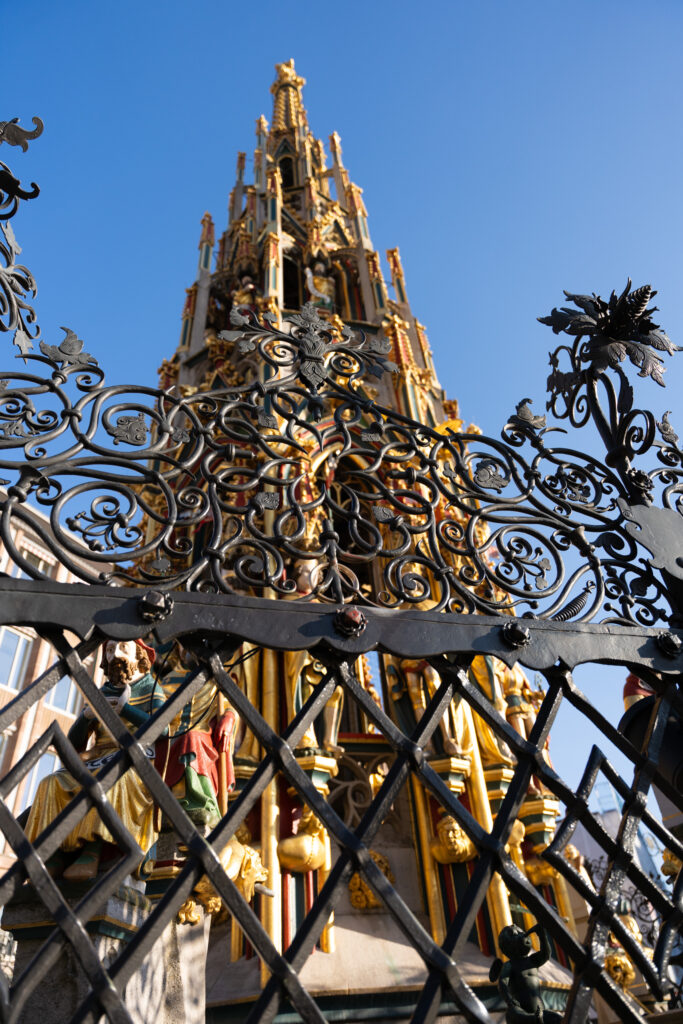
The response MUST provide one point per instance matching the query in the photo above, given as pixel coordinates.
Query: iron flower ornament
(616, 329)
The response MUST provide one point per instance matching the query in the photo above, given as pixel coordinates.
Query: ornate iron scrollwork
(459, 522)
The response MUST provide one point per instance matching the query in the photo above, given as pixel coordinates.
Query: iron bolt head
(515, 634)
(155, 605)
(669, 644)
(350, 621)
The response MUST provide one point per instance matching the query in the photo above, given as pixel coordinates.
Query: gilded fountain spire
(298, 236)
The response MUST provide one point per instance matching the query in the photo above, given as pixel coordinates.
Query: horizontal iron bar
(292, 625)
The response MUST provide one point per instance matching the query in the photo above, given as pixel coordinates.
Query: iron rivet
(515, 634)
(155, 605)
(350, 621)
(669, 644)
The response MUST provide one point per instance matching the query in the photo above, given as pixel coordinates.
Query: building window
(34, 560)
(45, 765)
(286, 166)
(14, 650)
(65, 696)
(291, 281)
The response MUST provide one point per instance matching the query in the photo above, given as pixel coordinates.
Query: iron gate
(195, 509)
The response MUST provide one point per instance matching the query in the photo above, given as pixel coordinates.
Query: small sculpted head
(126, 661)
(574, 856)
(514, 942)
(306, 574)
(449, 832)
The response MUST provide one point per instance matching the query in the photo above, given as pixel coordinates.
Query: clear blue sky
(509, 149)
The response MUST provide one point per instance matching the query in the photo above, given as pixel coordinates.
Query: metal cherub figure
(518, 979)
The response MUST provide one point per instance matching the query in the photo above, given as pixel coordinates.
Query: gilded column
(497, 895)
(437, 918)
(271, 908)
(272, 256)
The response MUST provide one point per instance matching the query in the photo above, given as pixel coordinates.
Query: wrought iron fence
(196, 511)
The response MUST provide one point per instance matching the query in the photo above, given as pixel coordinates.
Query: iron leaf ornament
(525, 418)
(13, 134)
(666, 430)
(11, 192)
(69, 352)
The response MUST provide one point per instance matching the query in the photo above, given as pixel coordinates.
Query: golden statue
(247, 674)
(361, 896)
(244, 293)
(523, 706)
(420, 681)
(486, 673)
(620, 968)
(243, 866)
(303, 671)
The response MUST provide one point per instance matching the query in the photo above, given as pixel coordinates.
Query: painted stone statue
(134, 695)
(244, 293)
(320, 285)
(518, 980)
(196, 759)
(416, 678)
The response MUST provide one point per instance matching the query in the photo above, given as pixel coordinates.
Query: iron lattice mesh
(444, 982)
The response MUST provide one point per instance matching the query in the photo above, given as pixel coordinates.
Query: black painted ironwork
(196, 508)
